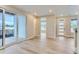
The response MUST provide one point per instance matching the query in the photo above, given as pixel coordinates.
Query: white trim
(51, 37)
(31, 37)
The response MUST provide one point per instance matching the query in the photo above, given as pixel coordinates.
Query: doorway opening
(43, 27)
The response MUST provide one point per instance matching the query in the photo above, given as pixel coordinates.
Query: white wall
(51, 27)
(30, 25)
(37, 26)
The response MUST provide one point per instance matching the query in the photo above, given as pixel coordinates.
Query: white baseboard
(51, 37)
(37, 35)
(70, 36)
(31, 37)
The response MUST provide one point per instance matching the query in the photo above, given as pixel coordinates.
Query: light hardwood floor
(60, 45)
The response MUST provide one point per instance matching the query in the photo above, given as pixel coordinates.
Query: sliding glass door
(10, 28)
(1, 29)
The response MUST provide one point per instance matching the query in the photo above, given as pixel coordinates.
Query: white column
(51, 27)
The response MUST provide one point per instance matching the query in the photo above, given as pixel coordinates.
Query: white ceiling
(42, 10)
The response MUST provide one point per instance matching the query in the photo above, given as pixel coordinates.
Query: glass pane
(61, 30)
(60, 27)
(1, 35)
(74, 23)
(10, 27)
(43, 24)
(43, 28)
(61, 23)
(21, 27)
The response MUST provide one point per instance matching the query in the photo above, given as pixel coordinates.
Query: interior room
(39, 29)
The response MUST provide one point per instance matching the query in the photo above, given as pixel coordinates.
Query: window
(73, 24)
(43, 24)
(21, 27)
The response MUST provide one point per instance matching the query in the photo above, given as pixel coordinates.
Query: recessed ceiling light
(35, 13)
(61, 14)
(76, 13)
(50, 11)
